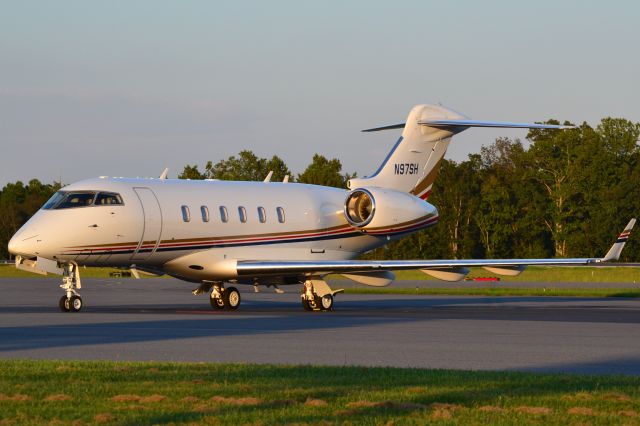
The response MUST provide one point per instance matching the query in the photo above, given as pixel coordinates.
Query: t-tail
(414, 161)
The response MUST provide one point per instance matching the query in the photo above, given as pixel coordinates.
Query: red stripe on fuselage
(343, 230)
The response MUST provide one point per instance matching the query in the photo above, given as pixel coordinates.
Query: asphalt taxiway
(159, 319)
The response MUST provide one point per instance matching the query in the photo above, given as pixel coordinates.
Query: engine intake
(382, 209)
(360, 207)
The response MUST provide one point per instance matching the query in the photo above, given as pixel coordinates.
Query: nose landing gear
(71, 301)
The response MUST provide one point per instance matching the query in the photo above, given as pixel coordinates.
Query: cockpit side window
(108, 199)
(69, 200)
(76, 199)
(54, 200)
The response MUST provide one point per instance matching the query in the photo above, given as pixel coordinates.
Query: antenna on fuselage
(268, 178)
(164, 173)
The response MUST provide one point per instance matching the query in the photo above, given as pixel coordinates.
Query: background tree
(18, 202)
(246, 167)
(325, 172)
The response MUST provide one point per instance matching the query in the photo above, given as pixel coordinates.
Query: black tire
(231, 298)
(64, 304)
(314, 304)
(75, 304)
(216, 303)
(305, 305)
(325, 302)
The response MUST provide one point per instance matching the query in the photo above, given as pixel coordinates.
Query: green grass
(9, 271)
(550, 274)
(57, 392)
(501, 291)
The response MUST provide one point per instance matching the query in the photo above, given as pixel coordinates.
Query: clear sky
(126, 88)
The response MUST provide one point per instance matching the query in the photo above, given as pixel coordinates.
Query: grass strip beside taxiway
(105, 392)
(500, 291)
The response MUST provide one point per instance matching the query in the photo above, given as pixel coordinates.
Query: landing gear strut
(71, 301)
(224, 298)
(317, 296)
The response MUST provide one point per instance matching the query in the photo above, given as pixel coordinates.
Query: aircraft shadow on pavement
(261, 317)
(78, 334)
(624, 365)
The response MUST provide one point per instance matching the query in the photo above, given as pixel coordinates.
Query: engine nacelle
(374, 208)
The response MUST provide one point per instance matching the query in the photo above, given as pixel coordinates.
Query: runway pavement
(159, 319)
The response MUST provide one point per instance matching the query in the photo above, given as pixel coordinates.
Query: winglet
(616, 248)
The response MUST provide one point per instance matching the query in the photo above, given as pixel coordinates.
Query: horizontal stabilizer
(391, 127)
(499, 124)
(474, 123)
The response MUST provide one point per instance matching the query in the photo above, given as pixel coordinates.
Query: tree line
(561, 194)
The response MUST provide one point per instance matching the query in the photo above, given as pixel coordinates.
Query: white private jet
(217, 233)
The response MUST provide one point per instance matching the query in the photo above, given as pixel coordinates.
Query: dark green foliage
(246, 166)
(18, 202)
(325, 172)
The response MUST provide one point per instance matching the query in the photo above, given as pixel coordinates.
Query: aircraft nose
(22, 244)
(13, 245)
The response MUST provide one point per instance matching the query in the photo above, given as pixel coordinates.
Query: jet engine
(374, 208)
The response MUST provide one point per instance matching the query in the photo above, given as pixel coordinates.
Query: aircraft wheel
(326, 302)
(314, 304)
(75, 304)
(216, 303)
(64, 304)
(231, 297)
(305, 305)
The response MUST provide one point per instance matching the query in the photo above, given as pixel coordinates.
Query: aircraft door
(152, 224)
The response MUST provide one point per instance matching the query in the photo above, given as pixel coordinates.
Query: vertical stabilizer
(413, 163)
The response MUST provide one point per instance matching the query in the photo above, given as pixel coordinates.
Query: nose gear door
(152, 224)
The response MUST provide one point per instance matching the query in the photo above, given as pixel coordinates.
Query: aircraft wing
(256, 268)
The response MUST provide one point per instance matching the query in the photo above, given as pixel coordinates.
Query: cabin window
(205, 213)
(224, 216)
(280, 212)
(108, 199)
(262, 214)
(242, 212)
(186, 214)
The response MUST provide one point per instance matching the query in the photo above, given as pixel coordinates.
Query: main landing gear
(317, 295)
(71, 301)
(224, 298)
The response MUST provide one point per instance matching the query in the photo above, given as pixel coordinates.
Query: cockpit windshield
(54, 200)
(69, 200)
